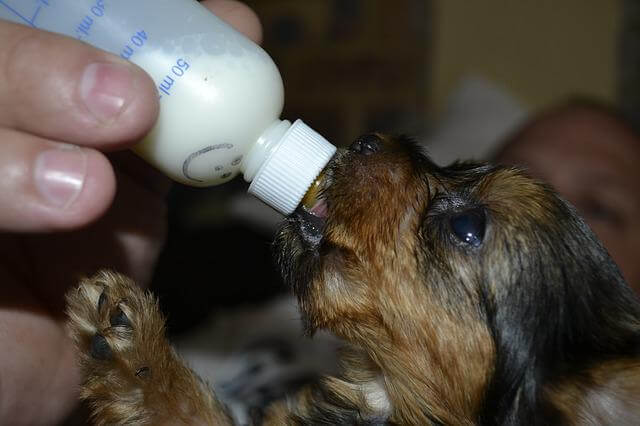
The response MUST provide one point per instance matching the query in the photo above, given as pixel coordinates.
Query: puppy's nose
(366, 144)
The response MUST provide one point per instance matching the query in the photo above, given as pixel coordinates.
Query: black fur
(567, 308)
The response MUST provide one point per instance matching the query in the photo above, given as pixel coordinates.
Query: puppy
(466, 295)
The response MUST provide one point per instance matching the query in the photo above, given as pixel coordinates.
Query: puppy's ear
(563, 309)
(605, 394)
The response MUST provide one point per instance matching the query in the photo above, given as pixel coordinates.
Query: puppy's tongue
(312, 202)
(319, 209)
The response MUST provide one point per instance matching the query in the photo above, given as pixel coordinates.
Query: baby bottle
(220, 94)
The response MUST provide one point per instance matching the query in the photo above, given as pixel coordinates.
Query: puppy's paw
(131, 373)
(119, 333)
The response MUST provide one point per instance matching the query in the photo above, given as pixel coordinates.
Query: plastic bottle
(220, 94)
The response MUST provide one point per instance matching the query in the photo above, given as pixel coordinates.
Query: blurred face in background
(593, 161)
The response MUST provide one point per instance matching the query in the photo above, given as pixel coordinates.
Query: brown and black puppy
(467, 295)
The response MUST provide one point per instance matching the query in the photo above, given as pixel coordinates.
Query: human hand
(63, 106)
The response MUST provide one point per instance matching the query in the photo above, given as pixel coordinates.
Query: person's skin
(593, 160)
(65, 209)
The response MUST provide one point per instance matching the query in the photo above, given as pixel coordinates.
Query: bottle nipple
(283, 179)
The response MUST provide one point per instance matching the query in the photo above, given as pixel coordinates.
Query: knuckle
(38, 76)
(24, 56)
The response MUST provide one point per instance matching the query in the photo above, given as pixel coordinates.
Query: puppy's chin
(309, 226)
(298, 245)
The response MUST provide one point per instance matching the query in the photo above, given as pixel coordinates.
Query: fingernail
(60, 174)
(105, 89)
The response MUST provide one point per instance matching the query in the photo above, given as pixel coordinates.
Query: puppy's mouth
(310, 217)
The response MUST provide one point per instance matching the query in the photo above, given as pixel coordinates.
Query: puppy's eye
(468, 226)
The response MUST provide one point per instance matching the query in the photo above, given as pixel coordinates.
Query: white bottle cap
(291, 168)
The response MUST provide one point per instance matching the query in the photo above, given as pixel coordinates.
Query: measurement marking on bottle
(178, 70)
(135, 43)
(27, 13)
(96, 11)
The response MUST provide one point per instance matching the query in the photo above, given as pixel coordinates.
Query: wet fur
(533, 327)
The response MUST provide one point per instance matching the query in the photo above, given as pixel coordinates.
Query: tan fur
(606, 394)
(423, 350)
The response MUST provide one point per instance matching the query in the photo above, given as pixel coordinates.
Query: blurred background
(456, 75)
(409, 65)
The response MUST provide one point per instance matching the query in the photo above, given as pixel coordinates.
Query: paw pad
(100, 348)
(119, 319)
(115, 336)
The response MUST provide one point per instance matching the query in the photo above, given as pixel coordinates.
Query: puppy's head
(469, 275)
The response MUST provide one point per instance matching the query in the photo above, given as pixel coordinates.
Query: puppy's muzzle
(311, 216)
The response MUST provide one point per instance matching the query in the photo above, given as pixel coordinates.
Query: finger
(62, 89)
(46, 186)
(238, 15)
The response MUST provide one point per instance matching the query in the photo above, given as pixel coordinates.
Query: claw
(102, 299)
